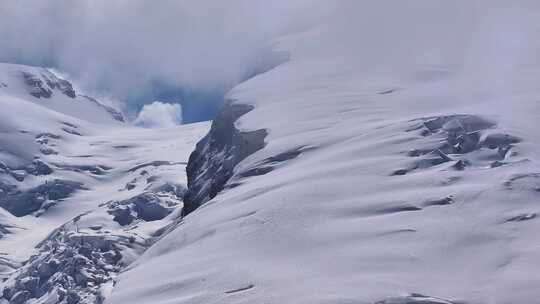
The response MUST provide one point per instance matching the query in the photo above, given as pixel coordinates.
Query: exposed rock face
(47, 142)
(36, 87)
(465, 141)
(70, 266)
(147, 206)
(61, 84)
(43, 85)
(123, 215)
(211, 165)
(38, 167)
(21, 203)
(114, 113)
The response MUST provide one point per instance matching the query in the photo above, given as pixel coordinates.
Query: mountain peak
(43, 87)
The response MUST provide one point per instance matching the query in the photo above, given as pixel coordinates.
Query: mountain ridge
(82, 193)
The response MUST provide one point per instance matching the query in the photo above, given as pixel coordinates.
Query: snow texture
(384, 171)
(386, 176)
(71, 173)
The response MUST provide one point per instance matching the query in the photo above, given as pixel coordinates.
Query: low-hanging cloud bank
(128, 47)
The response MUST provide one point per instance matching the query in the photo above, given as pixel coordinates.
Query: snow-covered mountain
(82, 193)
(350, 176)
(369, 168)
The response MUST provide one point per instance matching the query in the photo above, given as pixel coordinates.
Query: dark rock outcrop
(461, 136)
(211, 165)
(147, 206)
(43, 85)
(123, 215)
(21, 203)
(38, 167)
(70, 266)
(36, 87)
(62, 85)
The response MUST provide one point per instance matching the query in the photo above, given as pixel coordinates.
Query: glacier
(83, 193)
(385, 162)
(386, 176)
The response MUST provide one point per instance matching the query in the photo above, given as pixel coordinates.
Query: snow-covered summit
(42, 87)
(82, 194)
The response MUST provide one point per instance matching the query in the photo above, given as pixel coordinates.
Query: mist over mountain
(370, 152)
(128, 49)
(193, 52)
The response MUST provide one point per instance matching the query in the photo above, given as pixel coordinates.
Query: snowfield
(378, 182)
(384, 163)
(72, 173)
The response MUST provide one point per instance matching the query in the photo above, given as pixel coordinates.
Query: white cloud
(159, 115)
(126, 46)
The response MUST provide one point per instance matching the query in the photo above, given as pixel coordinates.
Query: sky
(193, 51)
(139, 51)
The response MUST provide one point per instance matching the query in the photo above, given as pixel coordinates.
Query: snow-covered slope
(82, 193)
(392, 160)
(35, 101)
(53, 93)
(387, 175)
